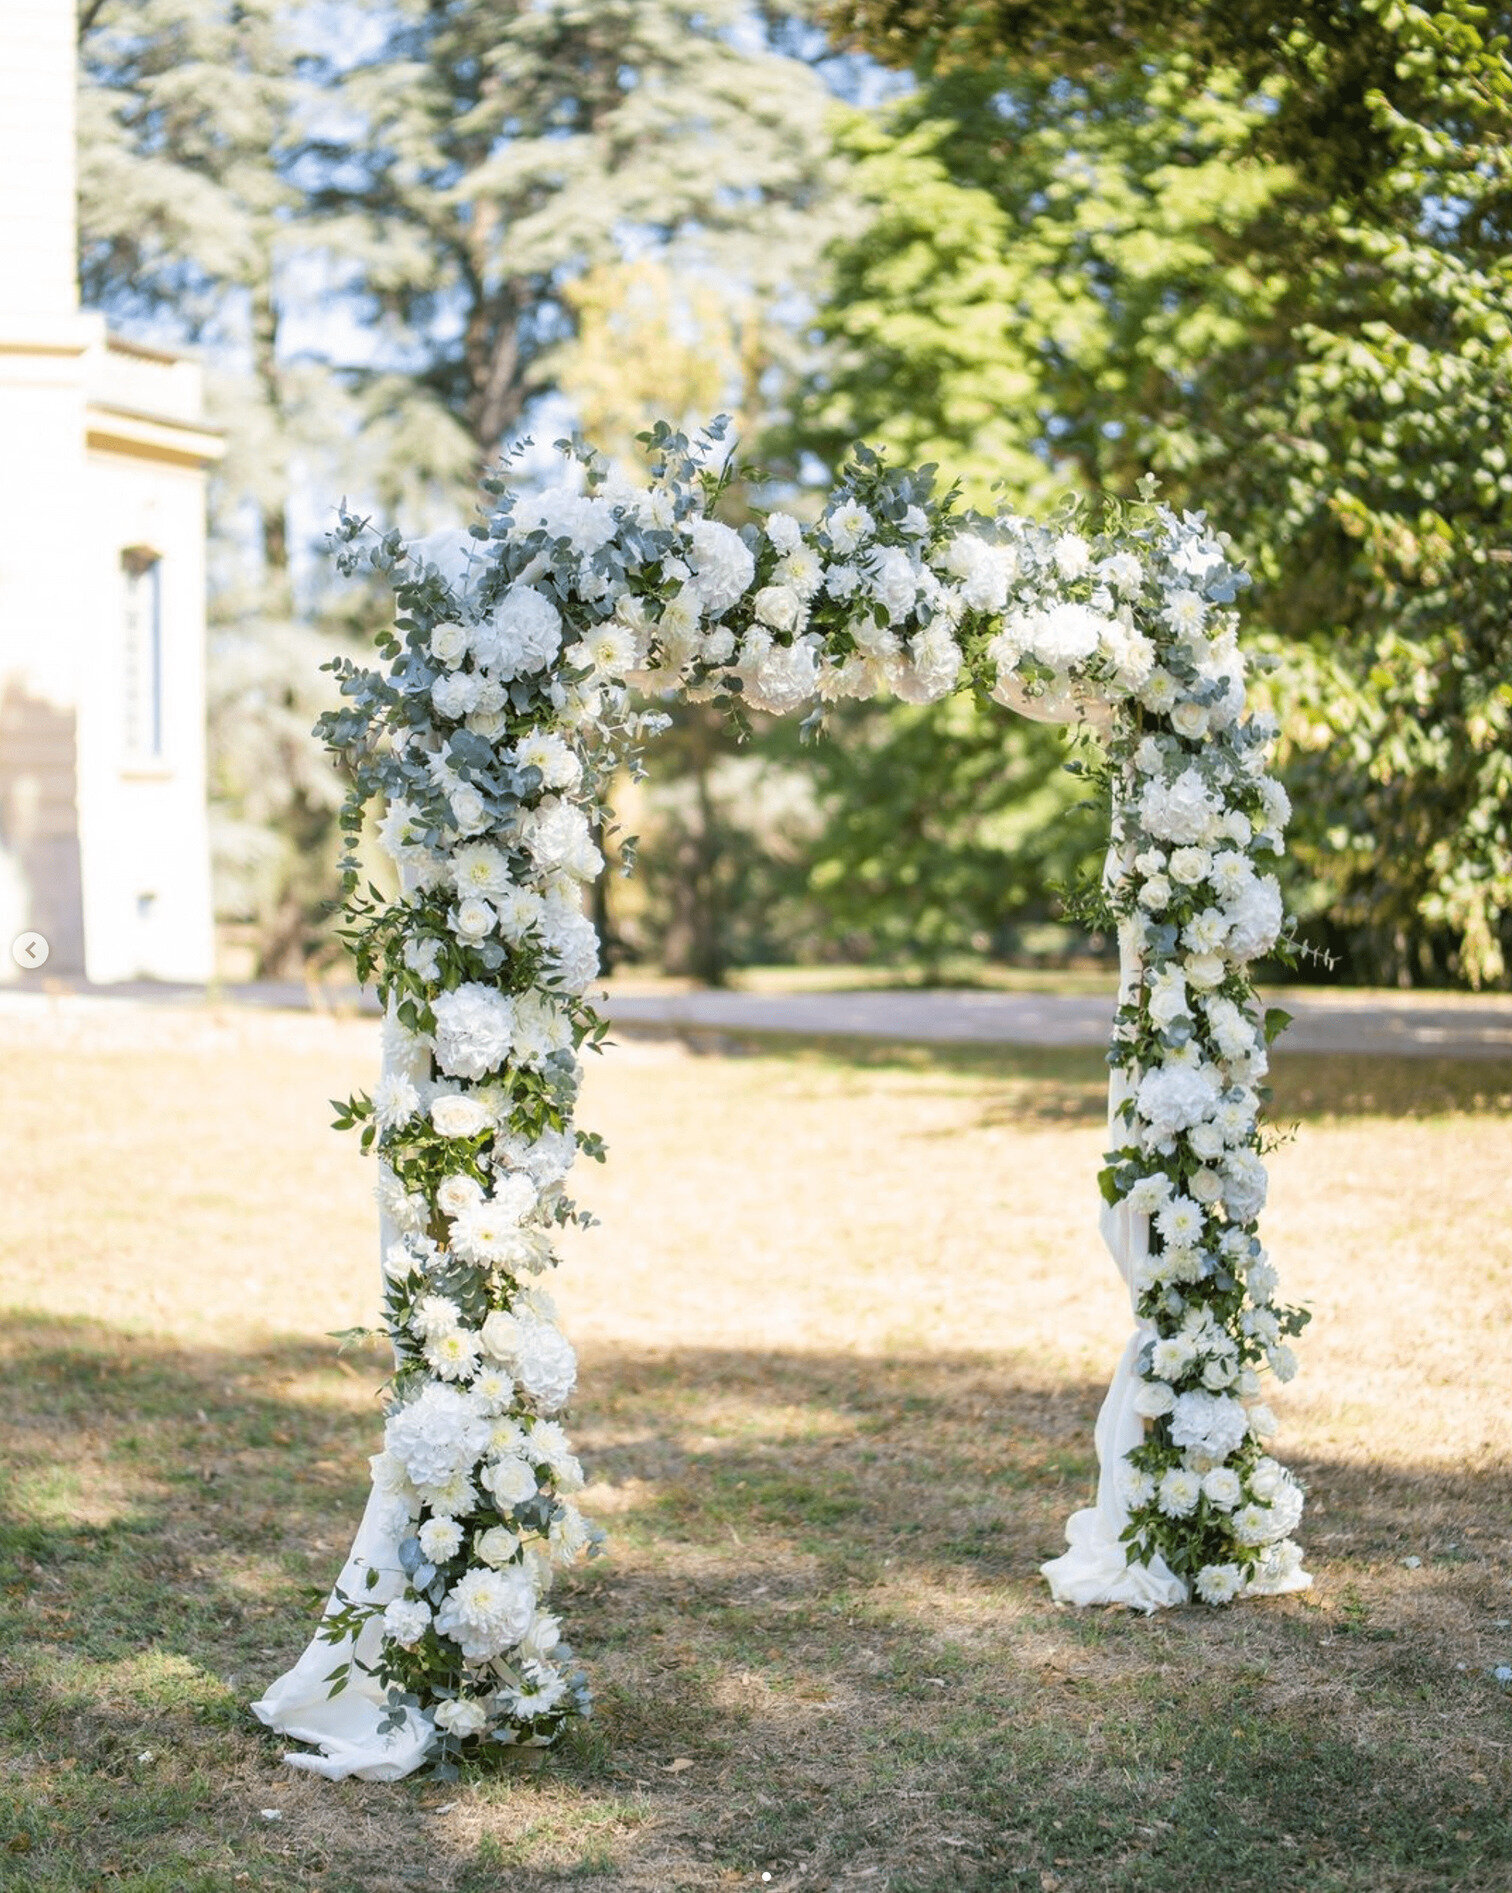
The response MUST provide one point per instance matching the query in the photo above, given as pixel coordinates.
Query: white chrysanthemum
(1180, 1222)
(1219, 1583)
(480, 870)
(1148, 1194)
(400, 830)
(559, 763)
(849, 525)
(1179, 1492)
(519, 909)
(487, 1233)
(459, 1114)
(474, 1030)
(1211, 1423)
(1135, 1488)
(568, 1536)
(435, 1315)
(556, 833)
(1256, 1525)
(440, 1539)
(452, 1355)
(1172, 1356)
(1180, 810)
(395, 1100)
(439, 1433)
(453, 1497)
(406, 1620)
(1231, 874)
(611, 648)
(541, 1028)
(487, 1611)
(803, 570)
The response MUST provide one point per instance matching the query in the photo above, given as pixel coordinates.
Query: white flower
(559, 763)
(435, 1315)
(510, 1480)
(541, 1028)
(1255, 915)
(934, 666)
(1281, 1361)
(1166, 999)
(803, 570)
(546, 1159)
(459, 1114)
(1072, 555)
(453, 694)
(1065, 634)
(487, 1231)
(458, 1192)
(1179, 1492)
(1171, 1357)
(723, 563)
(841, 581)
(448, 643)
(1153, 1399)
(1156, 893)
(406, 1620)
(1221, 1488)
(1173, 1097)
(440, 1539)
(1218, 1583)
(453, 1355)
(779, 606)
(1209, 1423)
(563, 513)
(539, 1355)
(474, 1030)
(1148, 1194)
(784, 677)
(784, 531)
(1135, 1488)
(1205, 971)
(1160, 691)
(487, 1611)
(1244, 1186)
(473, 919)
(461, 1716)
(424, 958)
(556, 833)
(497, 1546)
(395, 1100)
(1262, 1422)
(1123, 572)
(1189, 719)
(523, 636)
(1179, 810)
(568, 1535)
(1256, 1525)
(572, 943)
(480, 870)
(1206, 1141)
(849, 525)
(439, 1433)
(1190, 865)
(892, 579)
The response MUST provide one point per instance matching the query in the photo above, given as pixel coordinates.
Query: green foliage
(1265, 258)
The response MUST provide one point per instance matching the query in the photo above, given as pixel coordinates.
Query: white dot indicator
(30, 950)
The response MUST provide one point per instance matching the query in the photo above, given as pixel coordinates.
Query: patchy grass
(845, 1331)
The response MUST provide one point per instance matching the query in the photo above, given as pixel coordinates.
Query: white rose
(448, 644)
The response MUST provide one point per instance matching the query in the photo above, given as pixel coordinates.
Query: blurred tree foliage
(394, 229)
(1263, 250)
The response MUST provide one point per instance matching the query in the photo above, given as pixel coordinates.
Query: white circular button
(30, 950)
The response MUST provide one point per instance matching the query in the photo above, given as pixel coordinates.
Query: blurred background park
(1050, 248)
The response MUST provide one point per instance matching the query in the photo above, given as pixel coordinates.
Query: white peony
(406, 1620)
(1065, 634)
(557, 834)
(779, 606)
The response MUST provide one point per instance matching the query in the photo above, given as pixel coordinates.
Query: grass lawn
(844, 1330)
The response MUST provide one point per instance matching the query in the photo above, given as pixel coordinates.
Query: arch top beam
(512, 686)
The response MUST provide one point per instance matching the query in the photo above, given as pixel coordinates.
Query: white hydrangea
(406, 1620)
(722, 562)
(563, 513)
(523, 635)
(1178, 810)
(1255, 915)
(1065, 634)
(786, 676)
(439, 1433)
(557, 835)
(1174, 1097)
(474, 1030)
(572, 943)
(1209, 1423)
(892, 580)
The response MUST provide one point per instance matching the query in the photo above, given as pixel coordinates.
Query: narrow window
(143, 667)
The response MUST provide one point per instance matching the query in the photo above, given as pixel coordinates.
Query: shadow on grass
(1060, 1085)
(822, 1596)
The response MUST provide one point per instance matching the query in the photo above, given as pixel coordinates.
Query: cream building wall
(104, 845)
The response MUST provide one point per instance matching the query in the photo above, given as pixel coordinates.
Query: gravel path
(1409, 1024)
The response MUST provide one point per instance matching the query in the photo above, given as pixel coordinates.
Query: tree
(1319, 353)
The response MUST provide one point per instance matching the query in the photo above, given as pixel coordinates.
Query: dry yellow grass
(844, 1325)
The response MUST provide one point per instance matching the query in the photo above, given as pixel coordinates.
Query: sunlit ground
(845, 1327)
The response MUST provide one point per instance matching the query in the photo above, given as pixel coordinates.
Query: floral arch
(504, 703)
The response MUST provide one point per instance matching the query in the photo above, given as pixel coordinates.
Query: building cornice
(142, 436)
